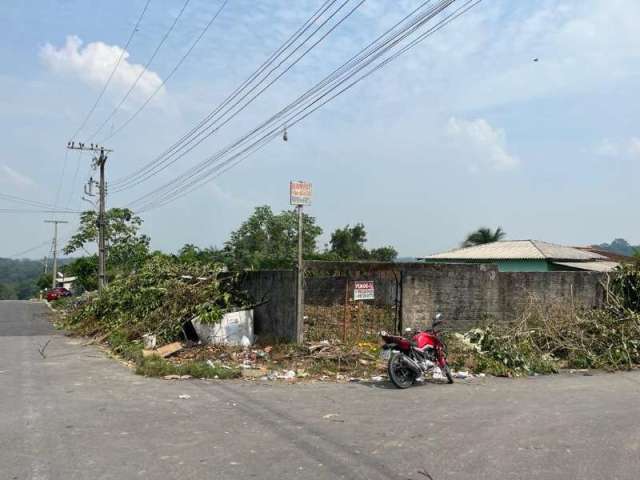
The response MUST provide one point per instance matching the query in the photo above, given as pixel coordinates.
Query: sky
(464, 130)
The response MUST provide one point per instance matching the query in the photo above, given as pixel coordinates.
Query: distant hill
(620, 246)
(18, 277)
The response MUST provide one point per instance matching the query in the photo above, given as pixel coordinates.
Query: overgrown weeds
(548, 337)
(155, 366)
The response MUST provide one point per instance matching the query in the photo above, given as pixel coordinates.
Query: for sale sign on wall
(363, 291)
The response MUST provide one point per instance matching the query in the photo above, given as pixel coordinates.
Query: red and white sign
(300, 193)
(364, 291)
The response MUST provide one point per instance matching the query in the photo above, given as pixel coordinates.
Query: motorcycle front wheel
(399, 374)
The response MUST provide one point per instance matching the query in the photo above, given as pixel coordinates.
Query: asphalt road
(77, 414)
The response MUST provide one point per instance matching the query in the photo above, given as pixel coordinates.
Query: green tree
(44, 281)
(192, 254)
(85, 269)
(8, 291)
(127, 248)
(269, 241)
(348, 243)
(484, 235)
(384, 254)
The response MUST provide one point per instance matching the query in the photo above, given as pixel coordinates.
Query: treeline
(266, 240)
(18, 278)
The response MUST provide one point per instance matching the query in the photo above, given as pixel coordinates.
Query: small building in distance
(527, 256)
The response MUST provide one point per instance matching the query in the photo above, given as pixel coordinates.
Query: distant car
(56, 293)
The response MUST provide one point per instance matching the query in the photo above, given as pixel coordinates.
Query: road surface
(77, 414)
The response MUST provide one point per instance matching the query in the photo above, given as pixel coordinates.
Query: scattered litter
(149, 341)
(377, 378)
(164, 351)
(177, 377)
(462, 375)
(332, 417)
(437, 374)
(184, 396)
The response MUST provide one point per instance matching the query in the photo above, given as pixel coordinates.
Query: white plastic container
(229, 331)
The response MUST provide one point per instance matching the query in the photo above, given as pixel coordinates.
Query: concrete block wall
(276, 317)
(467, 295)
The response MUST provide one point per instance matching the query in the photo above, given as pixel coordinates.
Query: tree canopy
(270, 241)
(484, 235)
(348, 243)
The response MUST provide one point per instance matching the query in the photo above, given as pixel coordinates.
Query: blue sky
(463, 131)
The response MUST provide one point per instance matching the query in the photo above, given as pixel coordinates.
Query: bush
(158, 298)
(546, 338)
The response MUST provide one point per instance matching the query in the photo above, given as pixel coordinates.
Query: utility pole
(300, 280)
(99, 162)
(300, 195)
(54, 273)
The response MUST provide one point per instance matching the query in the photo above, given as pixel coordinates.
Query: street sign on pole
(300, 193)
(364, 291)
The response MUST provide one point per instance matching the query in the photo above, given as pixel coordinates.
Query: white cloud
(634, 146)
(94, 63)
(480, 143)
(609, 148)
(12, 177)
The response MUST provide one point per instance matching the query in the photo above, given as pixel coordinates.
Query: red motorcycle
(410, 359)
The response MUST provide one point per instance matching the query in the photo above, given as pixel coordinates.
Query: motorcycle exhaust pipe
(411, 365)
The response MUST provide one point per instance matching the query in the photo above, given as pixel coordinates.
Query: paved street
(79, 415)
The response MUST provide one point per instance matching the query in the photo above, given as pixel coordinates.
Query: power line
(342, 69)
(151, 167)
(166, 79)
(29, 250)
(24, 201)
(164, 195)
(365, 57)
(142, 72)
(113, 71)
(52, 211)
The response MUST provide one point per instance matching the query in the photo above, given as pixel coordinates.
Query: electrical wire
(29, 250)
(113, 71)
(24, 210)
(167, 78)
(376, 48)
(158, 164)
(217, 170)
(369, 49)
(24, 201)
(142, 72)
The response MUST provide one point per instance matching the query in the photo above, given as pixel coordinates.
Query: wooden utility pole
(54, 273)
(99, 162)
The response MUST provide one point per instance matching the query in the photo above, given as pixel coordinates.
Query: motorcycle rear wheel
(400, 375)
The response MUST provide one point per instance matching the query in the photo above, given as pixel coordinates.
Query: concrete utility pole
(99, 162)
(300, 280)
(54, 273)
(300, 195)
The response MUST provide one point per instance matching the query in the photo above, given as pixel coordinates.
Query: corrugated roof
(597, 266)
(518, 250)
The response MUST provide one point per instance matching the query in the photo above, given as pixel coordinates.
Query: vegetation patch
(547, 338)
(155, 366)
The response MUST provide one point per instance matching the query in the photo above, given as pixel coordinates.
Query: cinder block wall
(469, 294)
(277, 288)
